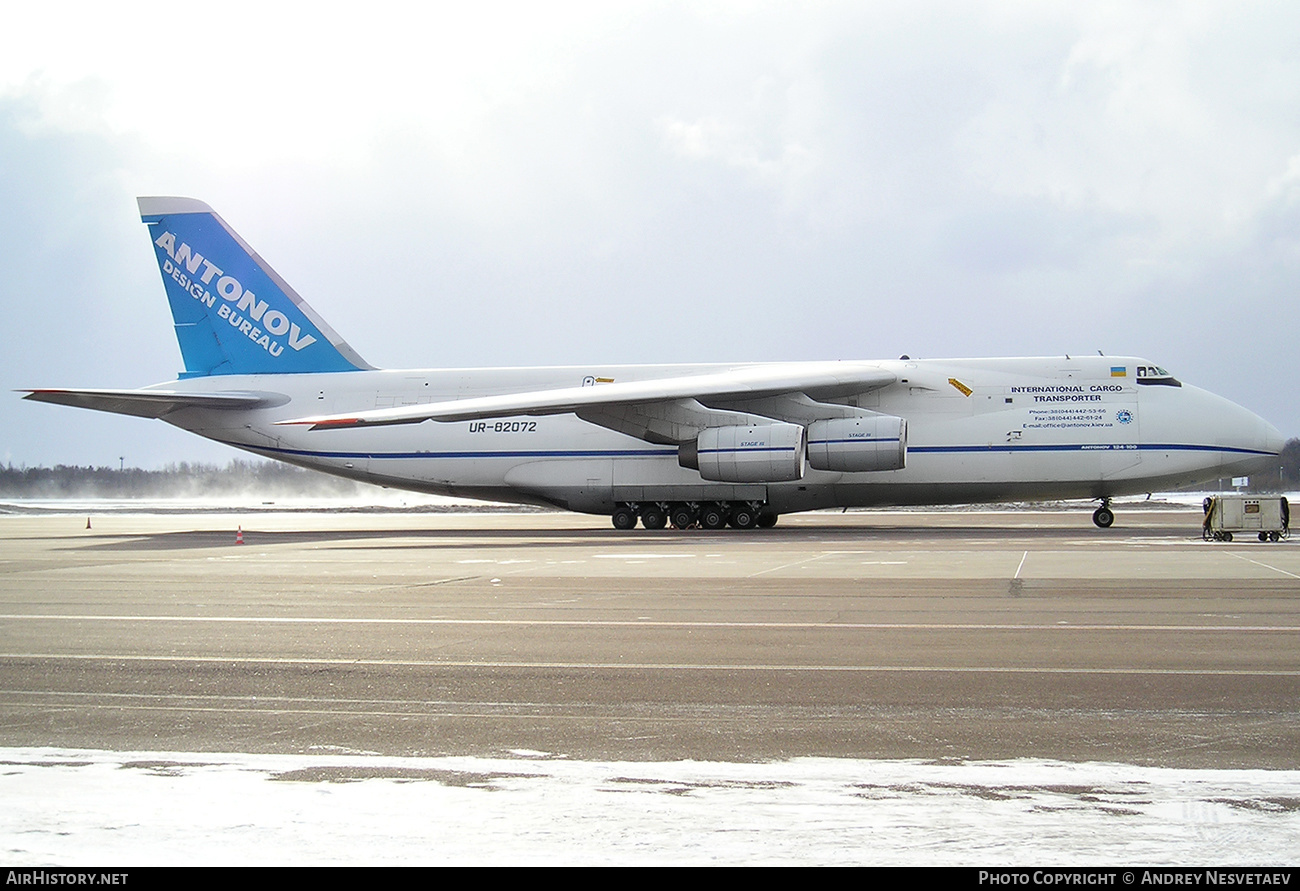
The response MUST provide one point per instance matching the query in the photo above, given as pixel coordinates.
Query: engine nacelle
(772, 453)
(857, 445)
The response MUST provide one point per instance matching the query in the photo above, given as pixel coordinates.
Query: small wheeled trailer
(1269, 517)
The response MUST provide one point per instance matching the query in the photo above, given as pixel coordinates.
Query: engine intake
(858, 445)
(772, 453)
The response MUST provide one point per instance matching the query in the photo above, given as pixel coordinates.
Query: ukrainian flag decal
(1118, 371)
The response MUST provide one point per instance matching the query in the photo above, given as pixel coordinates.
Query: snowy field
(68, 808)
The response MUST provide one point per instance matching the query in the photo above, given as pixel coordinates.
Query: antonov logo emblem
(242, 309)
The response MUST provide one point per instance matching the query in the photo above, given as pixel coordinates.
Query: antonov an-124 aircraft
(686, 445)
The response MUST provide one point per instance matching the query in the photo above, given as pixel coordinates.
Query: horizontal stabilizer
(823, 380)
(148, 403)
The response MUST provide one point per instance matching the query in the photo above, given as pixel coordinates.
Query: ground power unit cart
(1269, 517)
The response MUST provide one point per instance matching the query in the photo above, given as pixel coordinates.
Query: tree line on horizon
(276, 479)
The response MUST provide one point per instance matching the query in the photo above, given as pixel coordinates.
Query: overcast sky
(522, 184)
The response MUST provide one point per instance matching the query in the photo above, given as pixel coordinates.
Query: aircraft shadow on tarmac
(916, 536)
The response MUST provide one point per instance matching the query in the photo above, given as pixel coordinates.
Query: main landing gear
(689, 515)
(1103, 516)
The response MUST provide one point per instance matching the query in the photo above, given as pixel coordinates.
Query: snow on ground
(68, 808)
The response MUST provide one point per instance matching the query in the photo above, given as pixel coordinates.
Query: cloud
(512, 184)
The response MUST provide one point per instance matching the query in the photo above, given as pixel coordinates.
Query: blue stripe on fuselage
(664, 453)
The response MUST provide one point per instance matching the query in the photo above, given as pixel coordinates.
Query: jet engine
(771, 453)
(856, 445)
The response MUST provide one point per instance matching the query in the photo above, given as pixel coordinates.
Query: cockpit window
(1154, 374)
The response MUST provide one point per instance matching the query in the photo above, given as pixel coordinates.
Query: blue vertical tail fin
(233, 312)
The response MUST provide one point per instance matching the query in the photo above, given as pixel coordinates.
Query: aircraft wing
(144, 403)
(822, 380)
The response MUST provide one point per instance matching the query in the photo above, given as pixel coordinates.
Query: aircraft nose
(1264, 437)
(1256, 442)
(1273, 441)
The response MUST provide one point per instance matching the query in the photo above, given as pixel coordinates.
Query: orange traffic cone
(239, 535)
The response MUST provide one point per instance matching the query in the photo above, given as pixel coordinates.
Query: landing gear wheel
(713, 516)
(1275, 536)
(624, 518)
(743, 517)
(1263, 536)
(1103, 517)
(1227, 536)
(653, 518)
(767, 521)
(683, 517)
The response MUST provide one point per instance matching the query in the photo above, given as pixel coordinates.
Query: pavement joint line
(817, 556)
(1265, 565)
(532, 715)
(214, 697)
(658, 666)
(636, 623)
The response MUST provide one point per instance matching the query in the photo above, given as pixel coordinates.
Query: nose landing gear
(1103, 516)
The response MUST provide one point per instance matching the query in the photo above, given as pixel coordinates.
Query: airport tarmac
(909, 634)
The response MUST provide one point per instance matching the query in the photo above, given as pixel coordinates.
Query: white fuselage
(977, 430)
